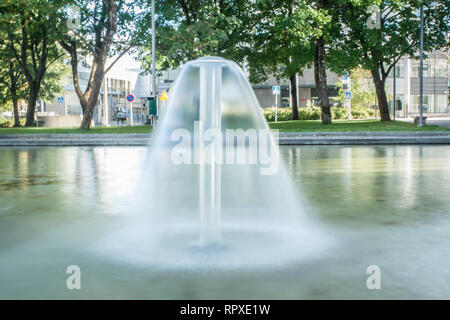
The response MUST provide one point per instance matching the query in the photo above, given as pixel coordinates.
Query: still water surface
(382, 205)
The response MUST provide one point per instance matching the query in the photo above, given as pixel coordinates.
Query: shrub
(9, 122)
(313, 113)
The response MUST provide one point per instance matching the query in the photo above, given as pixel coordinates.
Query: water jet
(236, 210)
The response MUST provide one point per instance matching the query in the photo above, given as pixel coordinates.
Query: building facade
(435, 85)
(125, 77)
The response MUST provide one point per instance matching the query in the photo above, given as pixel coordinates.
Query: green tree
(280, 43)
(102, 30)
(30, 35)
(189, 29)
(12, 81)
(378, 49)
(289, 36)
(363, 92)
(327, 27)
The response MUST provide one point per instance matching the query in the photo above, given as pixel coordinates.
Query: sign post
(163, 98)
(276, 93)
(130, 99)
(348, 94)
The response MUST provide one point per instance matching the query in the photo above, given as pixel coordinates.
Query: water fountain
(214, 191)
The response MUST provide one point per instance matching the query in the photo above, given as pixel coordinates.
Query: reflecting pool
(387, 206)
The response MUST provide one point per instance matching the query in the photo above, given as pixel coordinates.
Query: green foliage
(314, 113)
(53, 81)
(363, 91)
(132, 26)
(28, 45)
(280, 42)
(9, 122)
(376, 49)
(186, 30)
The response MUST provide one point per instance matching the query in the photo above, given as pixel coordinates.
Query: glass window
(415, 65)
(416, 102)
(441, 103)
(398, 70)
(431, 104)
(441, 68)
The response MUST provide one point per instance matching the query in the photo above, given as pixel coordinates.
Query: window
(441, 103)
(415, 66)
(398, 70)
(431, 103)
(440, 68)
(415, 107)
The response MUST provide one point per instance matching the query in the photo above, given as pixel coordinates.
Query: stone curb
(286, 138)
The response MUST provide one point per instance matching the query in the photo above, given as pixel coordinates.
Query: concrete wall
(61, 121)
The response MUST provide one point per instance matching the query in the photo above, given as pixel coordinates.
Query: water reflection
(373, 183)
(67, 181)
(384, 205)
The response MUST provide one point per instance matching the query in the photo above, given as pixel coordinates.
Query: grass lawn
(353, 125)
(94, 130)
(283, 126)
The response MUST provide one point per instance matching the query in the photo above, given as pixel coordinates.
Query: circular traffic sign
(130, 97)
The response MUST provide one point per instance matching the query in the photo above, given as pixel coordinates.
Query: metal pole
(394, 88)
(105, 102)
(421, 68)
(276, 107)
(154, 93)
(349, 101)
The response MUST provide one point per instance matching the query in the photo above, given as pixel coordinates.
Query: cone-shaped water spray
(215, 192)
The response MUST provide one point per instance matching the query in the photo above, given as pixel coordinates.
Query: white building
(123, 78)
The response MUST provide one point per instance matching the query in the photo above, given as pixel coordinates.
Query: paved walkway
(286, 138)
(444, 122)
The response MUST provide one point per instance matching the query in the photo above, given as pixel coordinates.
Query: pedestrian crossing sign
(276, 90)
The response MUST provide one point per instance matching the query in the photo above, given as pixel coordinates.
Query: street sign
(348, 95)
(130, 97)
(60, 99)
(163, 96)
(275, 90)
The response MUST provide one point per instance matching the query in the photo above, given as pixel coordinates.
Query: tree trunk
(320, 76)
(88, 110)
(13, 78)
(16, 111)
(103, 39)
(32, 98)
(293, 93)
(381, 95)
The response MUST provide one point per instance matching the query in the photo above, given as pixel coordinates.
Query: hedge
(313, 113)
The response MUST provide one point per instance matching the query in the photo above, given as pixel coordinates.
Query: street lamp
(394, 86)
(153, 54)
(421, 68)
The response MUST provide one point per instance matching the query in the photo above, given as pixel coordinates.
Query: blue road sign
(348, 95)
(60, 99)
(275, 90)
